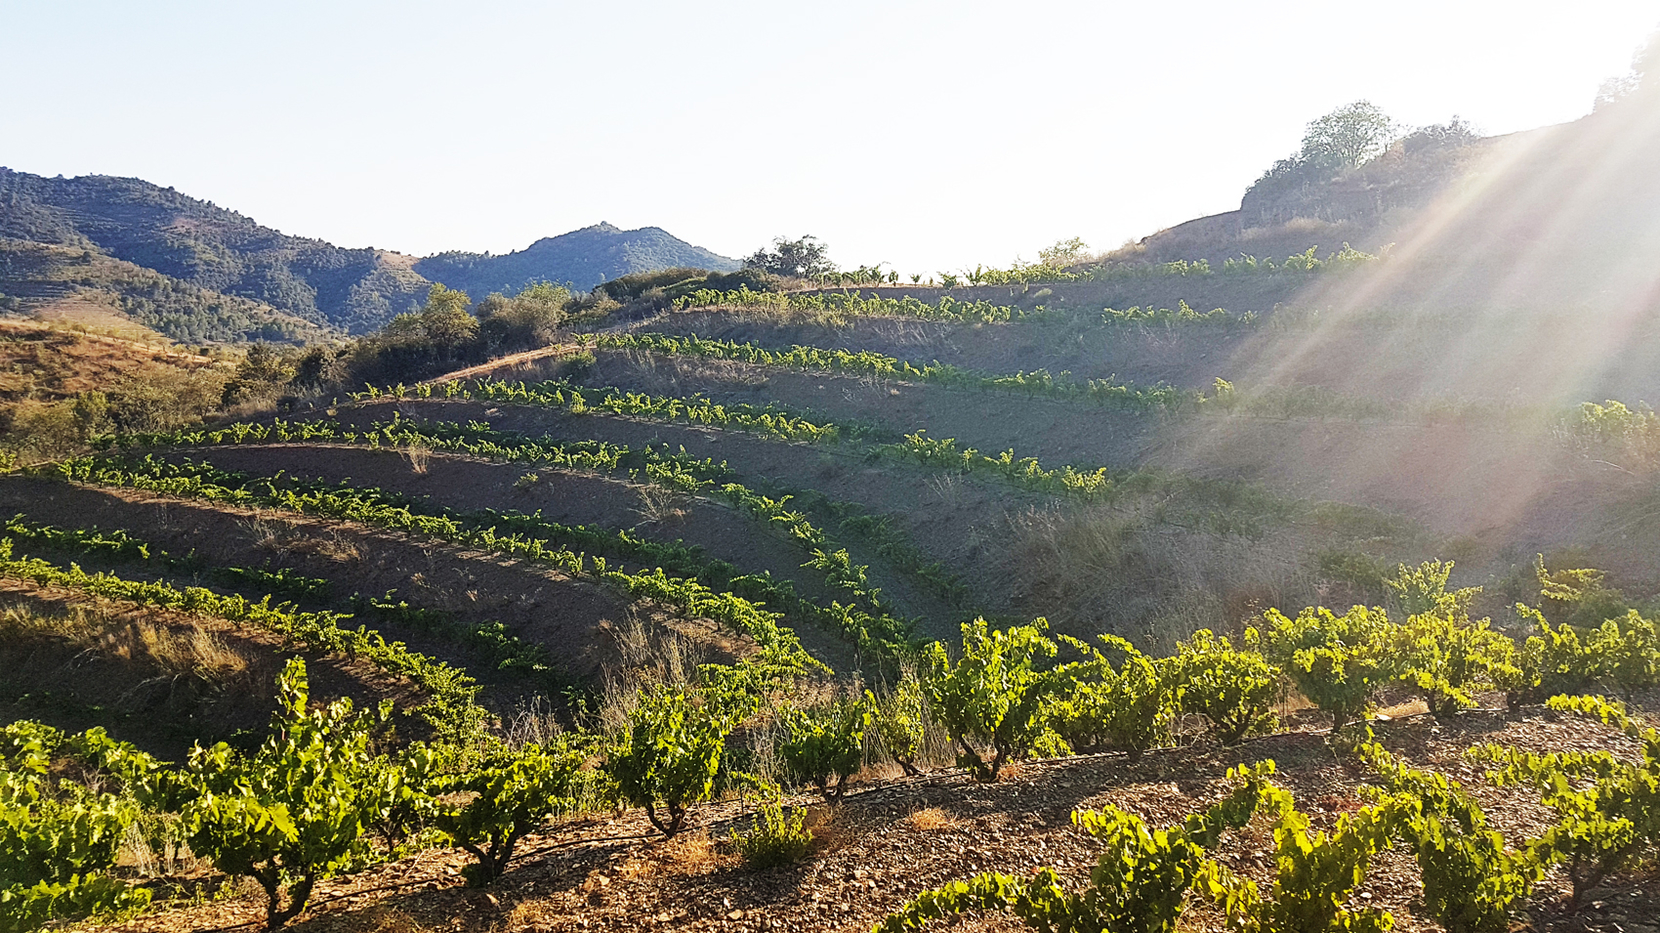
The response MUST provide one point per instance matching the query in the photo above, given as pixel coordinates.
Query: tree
(805, 257)
(1348, 136)
(1064, 253)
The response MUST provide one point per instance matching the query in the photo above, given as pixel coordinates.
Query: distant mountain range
(202, 272)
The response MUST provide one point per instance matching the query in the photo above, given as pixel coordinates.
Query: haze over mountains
(197, 271)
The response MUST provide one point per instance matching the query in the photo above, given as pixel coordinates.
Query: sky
(929, 136)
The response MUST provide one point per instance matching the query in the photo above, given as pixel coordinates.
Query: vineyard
(1038, 598)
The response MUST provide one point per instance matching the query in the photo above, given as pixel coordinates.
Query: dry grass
(647, 654)
(828, 828)
(418, 455)
(659, 506)
(1098, 569)
(178, 652)
(932, 820)
(692, 853)
(383, 919)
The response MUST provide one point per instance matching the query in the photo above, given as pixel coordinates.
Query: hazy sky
(927, 135)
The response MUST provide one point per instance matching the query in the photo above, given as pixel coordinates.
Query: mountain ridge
(353, 290)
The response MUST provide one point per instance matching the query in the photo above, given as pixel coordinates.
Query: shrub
(1139, 884)
(778, 836)
(1444, 654)
(1336, 661)
(994, 694)
(1472, 883)
(899, 722)
(295, 810)
(510, 797)
(827, 741)
(1094, 705)
(57, 839)
(1233, 689)
(1316, 874)
(1608, 809)
(673, 751)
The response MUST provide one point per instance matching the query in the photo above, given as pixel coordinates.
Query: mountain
(230, 278)
(210, 247)
(85, 285)
(582, 258)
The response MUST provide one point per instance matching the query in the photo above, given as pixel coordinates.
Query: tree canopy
(804, 257)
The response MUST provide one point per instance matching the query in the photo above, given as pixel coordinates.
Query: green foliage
(827, 741)
(1094, 705)
(843, 305)
(58, 839)
(1181, 316)
(1608, 809)
(1336, 661)
(1232, 688)
(1623, 653)
(803, 258)
(899, 720)
(778, 836)
(1347, 136)
(1611, 431)
(451, 709)
(1472, 882)
(509, 796)
(1139, 883)
(296, 809)
(527, 319)
(675, 742)
(1445, 655)
(994, 694)
(1576, 596)
(371, 506)
(1315, 873)
(1106, 393)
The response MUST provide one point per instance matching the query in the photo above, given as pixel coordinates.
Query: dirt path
(503, 362)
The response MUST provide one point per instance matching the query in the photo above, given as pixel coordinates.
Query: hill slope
(84, 285)
(583, 258)
(209, 247)
(355, 290)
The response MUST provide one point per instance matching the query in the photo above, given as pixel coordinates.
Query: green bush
(1094, 705)
(510, 796)
(827, 742)
(1444, 654)
(778, 836)
(1472, 882)
(1316, 874)
(995, 694)
(57, 838)
(899, 721)
(1336, 661)
(1607, 809)
(1232, 688)
(294, 811)
(673, 752)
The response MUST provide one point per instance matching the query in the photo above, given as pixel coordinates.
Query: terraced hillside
(658, 565)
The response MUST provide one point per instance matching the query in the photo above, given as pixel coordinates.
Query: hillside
(327, 287)
(906, 606)
(209, 247)
(582, 258)
(84, 285)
